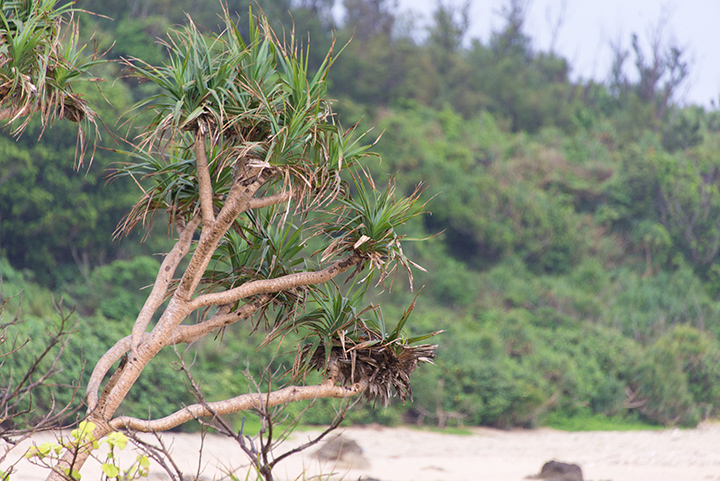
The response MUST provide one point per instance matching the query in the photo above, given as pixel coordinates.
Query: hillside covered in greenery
(571, 241)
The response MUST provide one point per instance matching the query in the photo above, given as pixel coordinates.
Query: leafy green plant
(46, 454)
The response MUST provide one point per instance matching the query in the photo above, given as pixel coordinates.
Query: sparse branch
(263, 459)
(165, 275)
(218, 422)
(240, 403)
(335, 424)
(204, 182)
(264, 286)
(27, 384)
(161, 455)
(17, 401)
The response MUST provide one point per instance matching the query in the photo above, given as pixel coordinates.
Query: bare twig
(160, 454)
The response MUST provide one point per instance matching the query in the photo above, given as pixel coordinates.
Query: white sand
(406, 454)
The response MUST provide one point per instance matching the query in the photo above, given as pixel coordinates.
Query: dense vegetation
(572, 250)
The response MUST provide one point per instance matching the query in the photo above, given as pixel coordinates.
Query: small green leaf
(31, 452)
(117, 439)
(42, 450)
(110, 470)
(83, 431)
(45, 448)
(75, 473)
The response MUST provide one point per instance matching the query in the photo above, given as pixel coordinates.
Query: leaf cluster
(41, 60)
(82, 436)
(255, 99)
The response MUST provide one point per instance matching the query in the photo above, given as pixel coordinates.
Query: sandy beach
(408, 454)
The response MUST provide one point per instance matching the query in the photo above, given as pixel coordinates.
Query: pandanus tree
(272, 213)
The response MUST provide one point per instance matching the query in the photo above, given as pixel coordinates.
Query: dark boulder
(557, 471)
(342, 452)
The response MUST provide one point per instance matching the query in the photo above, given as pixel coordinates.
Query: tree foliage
(41, 60)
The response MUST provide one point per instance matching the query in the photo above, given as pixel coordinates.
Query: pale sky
(589, 26)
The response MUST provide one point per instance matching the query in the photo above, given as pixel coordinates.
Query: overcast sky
(589, 26)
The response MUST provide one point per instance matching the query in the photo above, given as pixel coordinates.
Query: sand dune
(406, 454)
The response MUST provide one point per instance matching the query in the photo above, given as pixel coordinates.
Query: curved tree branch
(102, 367)
(264, 286)
(240, 403)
